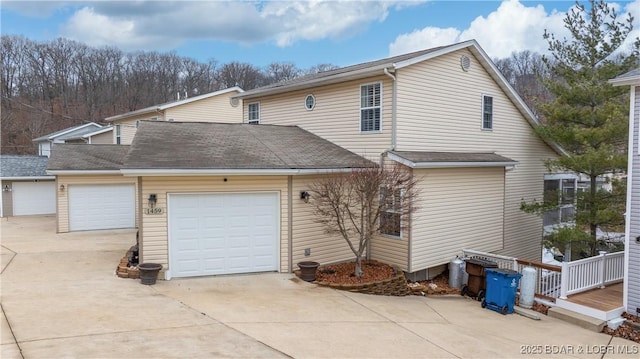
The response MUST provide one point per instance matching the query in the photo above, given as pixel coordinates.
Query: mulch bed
(344, 273)
(627, 330)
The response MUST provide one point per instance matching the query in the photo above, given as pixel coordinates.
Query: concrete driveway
(60, 298)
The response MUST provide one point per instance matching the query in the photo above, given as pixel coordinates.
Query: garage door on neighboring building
(94, 207)
(30, 198)
(223, 233)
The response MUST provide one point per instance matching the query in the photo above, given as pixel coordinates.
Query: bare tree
(281, 71)
(320, 68)
(244, 75)
(364, 202)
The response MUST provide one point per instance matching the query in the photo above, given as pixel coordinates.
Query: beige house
(211, 198)
(214, 198)
(449, 115)
(211, 107)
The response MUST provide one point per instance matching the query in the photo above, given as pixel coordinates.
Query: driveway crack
(13, 255)
(11, 329)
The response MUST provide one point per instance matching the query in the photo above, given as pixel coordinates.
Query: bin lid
(482, 262)
(506, 272)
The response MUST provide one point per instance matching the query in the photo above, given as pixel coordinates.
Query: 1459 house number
(154, 211)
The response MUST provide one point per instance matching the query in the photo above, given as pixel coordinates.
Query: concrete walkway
(60, 298)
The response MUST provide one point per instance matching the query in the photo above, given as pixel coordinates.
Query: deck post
(515, 264)
(564, 280)
(602, 263)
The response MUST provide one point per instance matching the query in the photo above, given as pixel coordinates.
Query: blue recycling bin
(502, 285)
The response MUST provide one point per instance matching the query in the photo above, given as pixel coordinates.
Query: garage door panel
(32, 198)
(236, 233)
(95, 207)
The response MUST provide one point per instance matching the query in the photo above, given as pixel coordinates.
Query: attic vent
(465, 63)
(234, 102)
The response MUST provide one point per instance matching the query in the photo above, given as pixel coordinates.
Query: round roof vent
(234, 102)
(465, 63)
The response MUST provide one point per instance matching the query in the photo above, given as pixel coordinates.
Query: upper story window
(370, 107)
(390, 214)
(253, 113)
(487, 112)
(118, 134)
(310, 102)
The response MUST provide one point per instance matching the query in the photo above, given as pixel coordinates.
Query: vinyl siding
(7, 199)
(336, 116)
(154, 240)
(458, 209)
(307, 233)
(63, 198)
(440, 109)
(103, 138)
(128, 128)
(212, 109)
(633, 267)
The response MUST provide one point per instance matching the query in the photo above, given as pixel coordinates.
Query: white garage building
(26, 187)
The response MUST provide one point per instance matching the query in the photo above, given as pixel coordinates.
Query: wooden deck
(605, 299)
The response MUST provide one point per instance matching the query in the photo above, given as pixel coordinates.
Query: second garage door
(223, 233)
(34, 198)
(94, 207)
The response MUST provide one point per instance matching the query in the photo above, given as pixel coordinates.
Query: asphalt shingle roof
(73, 132)
(23, 166)
(193, 145)
(423, 157)
(82, 157)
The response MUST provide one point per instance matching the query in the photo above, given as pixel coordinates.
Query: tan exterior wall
(128, 129)
(459, 209)
(336, 116)
(7, 199)
(307, 233)
(212, 109)
(103, 138)
(63, 199)
(154, 240)
(439, 109)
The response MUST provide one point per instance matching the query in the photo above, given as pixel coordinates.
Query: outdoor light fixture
(153, 199)
(304, 195)
(6, 188)
(61, 188)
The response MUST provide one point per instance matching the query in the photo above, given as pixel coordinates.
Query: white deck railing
(570, 278)
(594, 272)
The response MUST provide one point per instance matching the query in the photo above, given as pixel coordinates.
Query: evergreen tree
(588, 117)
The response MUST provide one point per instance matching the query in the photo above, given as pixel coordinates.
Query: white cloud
(163, 25)
(510, 28)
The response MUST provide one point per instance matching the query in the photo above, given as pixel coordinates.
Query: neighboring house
(82, 134)
(444, 113)
(226, 198)
(631, 297)
(26, 187)
(92, 193)
(211, 107)
(213, 198)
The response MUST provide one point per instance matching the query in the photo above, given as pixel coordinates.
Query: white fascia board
(141, 111)
(626, 81)
(199, 97)
(83, 172)
(39, 178)
(106, 129)
(71, 129)
(412, 164)
(231, 172)
(560, 176)
(435, 54)
(342, 77)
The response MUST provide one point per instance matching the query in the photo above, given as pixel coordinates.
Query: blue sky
(306, 33)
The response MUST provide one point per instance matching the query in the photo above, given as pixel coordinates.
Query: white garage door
(33, 198)
(227, 233)
(93, 207)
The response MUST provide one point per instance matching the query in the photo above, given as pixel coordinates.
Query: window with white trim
(370, 107)
(253, 113)
(118, 134)
(487, 112)
(391, 211)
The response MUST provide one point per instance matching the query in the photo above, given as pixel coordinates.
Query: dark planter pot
(308, 270)
(149, 272)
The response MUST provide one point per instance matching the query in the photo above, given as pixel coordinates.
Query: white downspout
(393, 109)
